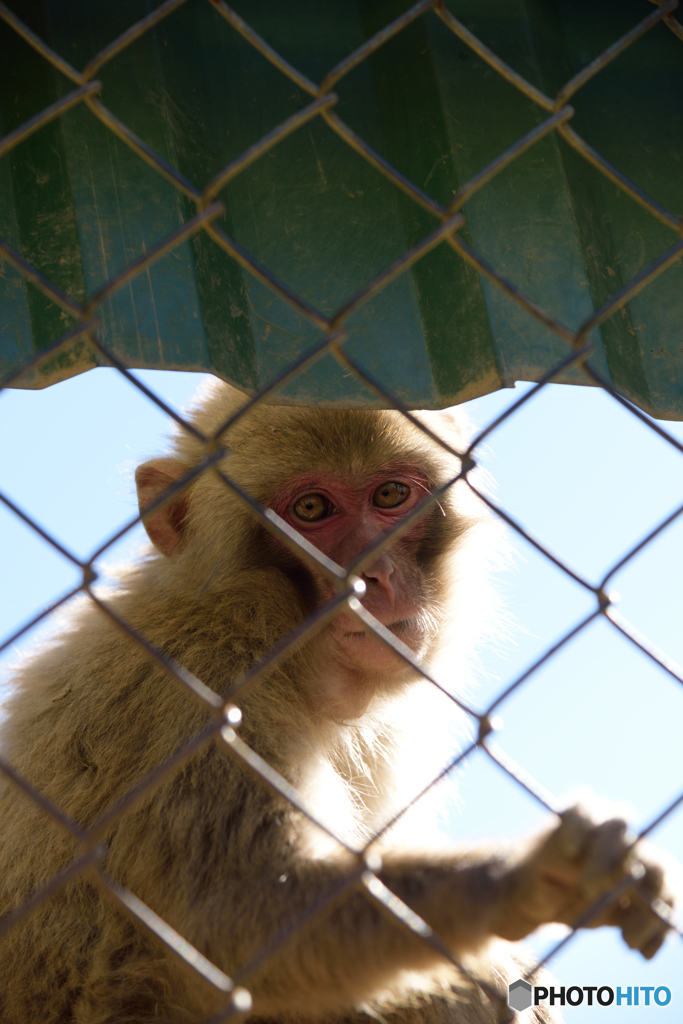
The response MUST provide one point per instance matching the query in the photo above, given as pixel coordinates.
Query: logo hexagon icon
(519, 995)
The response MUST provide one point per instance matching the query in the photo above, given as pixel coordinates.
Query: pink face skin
(350, 516)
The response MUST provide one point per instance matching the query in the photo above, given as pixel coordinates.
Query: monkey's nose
(380, 573)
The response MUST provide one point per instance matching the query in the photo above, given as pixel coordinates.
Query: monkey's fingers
(605, 857)
(596, 848)
(643, 930)
(584, 855)
(643, 913)
(572, 866)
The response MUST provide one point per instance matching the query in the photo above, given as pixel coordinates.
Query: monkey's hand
(582, 866)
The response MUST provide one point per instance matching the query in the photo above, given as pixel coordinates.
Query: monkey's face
(345, 480)
(345, 517)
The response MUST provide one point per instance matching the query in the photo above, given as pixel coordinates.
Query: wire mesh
(225, 723)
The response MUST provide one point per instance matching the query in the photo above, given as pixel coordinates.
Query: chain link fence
(224, 727)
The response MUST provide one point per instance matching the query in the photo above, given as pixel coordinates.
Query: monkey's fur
(211, 850)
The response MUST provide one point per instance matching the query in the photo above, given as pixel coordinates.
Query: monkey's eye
(390, 495)
(312, 507)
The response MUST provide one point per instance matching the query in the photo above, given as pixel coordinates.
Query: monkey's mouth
(402, 626)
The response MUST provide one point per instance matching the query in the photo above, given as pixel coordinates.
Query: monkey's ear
(165, 526)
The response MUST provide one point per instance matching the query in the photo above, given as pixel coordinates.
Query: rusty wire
(449, 219)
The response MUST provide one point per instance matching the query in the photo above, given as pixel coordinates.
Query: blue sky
(584, 475)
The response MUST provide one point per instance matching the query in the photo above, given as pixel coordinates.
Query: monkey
(287, 898)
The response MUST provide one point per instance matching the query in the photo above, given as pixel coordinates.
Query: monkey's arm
(556, 877)
(353, 948)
